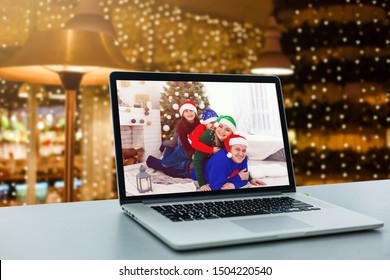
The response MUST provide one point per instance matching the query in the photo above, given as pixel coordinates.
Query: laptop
(257, 202)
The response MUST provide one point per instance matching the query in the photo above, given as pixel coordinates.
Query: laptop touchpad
(270, 224)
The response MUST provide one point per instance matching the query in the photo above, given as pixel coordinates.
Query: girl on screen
(177, 161)
(181, 155)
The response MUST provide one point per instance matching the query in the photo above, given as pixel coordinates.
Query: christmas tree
(174, 94)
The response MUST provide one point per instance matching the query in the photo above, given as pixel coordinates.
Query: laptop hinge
(208, 197)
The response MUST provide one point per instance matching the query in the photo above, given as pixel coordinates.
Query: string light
(355, 47)
(159, 36)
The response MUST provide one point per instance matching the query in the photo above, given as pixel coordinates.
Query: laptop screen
(192, 133)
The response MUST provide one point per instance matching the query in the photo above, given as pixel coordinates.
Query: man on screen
(228, 168)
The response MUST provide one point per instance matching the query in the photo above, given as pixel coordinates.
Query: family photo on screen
(200, 136)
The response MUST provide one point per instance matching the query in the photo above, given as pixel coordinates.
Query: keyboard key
(232, 208)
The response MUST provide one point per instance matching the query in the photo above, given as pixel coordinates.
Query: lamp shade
(47, 53)
(89, 17)
(69, 58)
(272, 61)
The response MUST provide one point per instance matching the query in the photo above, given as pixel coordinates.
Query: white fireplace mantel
(151, 128)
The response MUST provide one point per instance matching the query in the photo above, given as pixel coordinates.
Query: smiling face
(210, 126)
(238, 152)
(223, 131)
(189, 115)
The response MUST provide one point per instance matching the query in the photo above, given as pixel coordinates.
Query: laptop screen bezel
(164, 76)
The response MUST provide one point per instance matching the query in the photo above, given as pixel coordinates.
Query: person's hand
(216, 149)
(228, 186)
(244, 174)
(205, 188)
(257, 182)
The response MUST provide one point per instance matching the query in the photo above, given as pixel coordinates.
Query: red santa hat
(188, 105)
(234, 139)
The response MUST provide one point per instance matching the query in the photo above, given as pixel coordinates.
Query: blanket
(268, 170)
(272, 173)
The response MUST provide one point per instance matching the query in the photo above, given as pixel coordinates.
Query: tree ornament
(175, 106)
(166, 128)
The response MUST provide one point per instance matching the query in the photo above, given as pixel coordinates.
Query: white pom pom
(229, 155)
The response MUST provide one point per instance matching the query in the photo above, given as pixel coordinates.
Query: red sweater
(183, 130)
(195, 140)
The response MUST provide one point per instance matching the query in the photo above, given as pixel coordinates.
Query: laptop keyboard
(232, 208)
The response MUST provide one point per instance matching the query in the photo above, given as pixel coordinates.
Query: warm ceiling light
(272, 61)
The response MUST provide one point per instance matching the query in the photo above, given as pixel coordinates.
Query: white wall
(153, 89)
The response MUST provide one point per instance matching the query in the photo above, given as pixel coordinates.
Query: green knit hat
(228, 121)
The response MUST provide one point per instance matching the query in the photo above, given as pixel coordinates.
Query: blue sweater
(220, 169)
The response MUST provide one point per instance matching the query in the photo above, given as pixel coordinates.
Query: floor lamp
(69, 58)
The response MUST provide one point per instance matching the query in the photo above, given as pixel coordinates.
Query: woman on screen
(224, 127)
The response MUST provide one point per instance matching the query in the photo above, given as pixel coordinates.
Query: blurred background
(55, 123)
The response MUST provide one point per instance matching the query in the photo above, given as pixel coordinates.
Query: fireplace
(140, 134)
(132, 144)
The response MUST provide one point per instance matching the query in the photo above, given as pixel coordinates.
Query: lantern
(144, 182)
